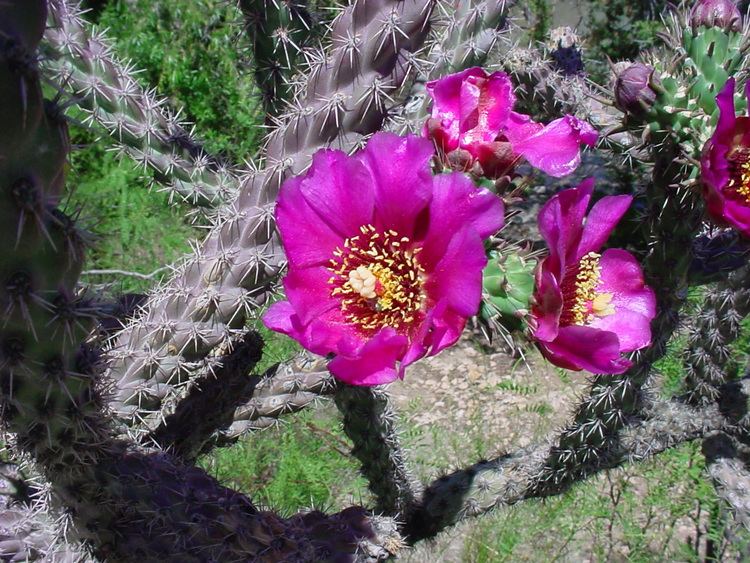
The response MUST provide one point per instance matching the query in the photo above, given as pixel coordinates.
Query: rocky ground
(466, 404)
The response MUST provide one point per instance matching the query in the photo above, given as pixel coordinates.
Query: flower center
(582, 303)
(379, 280)
(739, 169)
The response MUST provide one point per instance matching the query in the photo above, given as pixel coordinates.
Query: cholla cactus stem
(279, 31)
(370, 423)
(82, 64)
(716, 327)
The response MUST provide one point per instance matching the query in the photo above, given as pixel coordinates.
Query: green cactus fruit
(508, 282)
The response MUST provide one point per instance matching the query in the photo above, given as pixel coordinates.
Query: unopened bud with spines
(636, 88)
(716, 13)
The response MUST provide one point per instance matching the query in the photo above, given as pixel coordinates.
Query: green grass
(295, 466)
(134, 229)
(643, 513)
(193, 51)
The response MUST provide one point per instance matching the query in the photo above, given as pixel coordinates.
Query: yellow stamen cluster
(587, 302)
(378, 279)
(740, 181)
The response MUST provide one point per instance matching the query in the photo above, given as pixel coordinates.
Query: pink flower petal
(328, 188)
(446, 107)
(548, 304)
(601, 221)
(485, 107)
(554, 149)
(308, 291)
(373, 363)
(725, 103)
(458, 204)
(402, 179)
(447, 327)
(561, 224)
(308, 240)
(633, 301)
(585, 348)
(457, 277)
(278, 317)
(738, 215)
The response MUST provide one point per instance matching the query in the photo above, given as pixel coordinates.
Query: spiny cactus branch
(81, 63)
(209, 405)
(28, 532)
(293, 387)
(279, 30)
(717, 326)
(209, 298)
(370, 423)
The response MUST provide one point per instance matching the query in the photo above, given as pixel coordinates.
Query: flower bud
(716, 13)
(636, 88)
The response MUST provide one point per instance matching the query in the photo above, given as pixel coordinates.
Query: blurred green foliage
(619, 30)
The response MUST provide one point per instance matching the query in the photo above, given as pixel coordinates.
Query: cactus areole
(475, 129)
(725, 165)
(385, 259)
(590, 308)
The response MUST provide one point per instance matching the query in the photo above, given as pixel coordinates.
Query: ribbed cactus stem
(279, 31)
(293, 387)
(470, 30)
(209, 298)
(28, 532)
(127, 503)
(209, 404)
(370, 423)
(717, 326)
(81, 63)
(467, 32)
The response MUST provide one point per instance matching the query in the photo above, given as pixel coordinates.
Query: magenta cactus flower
(725, 165)
(385, 259)
(474, 127)
(589, 308)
